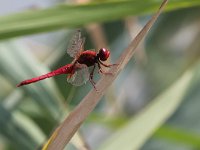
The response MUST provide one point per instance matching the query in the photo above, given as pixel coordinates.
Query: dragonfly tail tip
(18, 85)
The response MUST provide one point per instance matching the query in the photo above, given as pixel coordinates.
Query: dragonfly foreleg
(105, 65)
(101, 71)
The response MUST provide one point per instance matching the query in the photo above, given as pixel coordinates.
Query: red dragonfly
(78, 72)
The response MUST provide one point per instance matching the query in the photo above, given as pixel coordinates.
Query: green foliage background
(167, 80)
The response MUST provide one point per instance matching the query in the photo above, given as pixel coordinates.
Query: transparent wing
(76, 44)
(80, 76)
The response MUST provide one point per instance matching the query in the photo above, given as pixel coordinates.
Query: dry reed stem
(72, 123)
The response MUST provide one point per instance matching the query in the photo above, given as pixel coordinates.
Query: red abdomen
(62, 70)
(87, 57)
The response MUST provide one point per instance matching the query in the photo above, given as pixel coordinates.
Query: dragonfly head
(103, 54)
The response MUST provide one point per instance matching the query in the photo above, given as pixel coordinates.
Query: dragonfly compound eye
(104, 54)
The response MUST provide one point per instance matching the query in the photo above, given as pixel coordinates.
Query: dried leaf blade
(72, 123)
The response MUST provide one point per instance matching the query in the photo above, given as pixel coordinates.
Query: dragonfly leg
(103, 72)
(92, 73)
(70, 75)
(109, 65)
(93, 84)
(91, 77)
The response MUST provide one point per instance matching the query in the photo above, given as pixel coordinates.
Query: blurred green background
(154, 103)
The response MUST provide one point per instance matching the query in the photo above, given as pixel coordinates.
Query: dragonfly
(78, 70)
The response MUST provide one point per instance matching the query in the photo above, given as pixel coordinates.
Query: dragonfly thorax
(88, 58)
